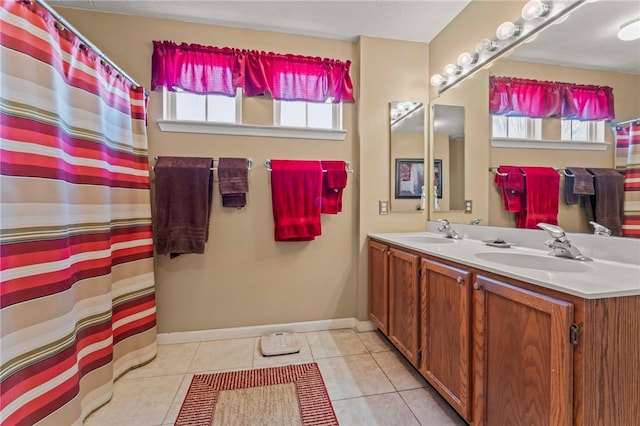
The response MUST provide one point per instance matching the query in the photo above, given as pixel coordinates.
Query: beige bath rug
(289, 395)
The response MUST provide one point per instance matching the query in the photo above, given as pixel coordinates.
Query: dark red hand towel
(608, 199)
(296, 195)
(542, 186)
(334, 181)
(511, 183)
(182, 193)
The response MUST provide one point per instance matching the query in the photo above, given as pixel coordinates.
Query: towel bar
(249, 163)
(267, 164)
(495, 170)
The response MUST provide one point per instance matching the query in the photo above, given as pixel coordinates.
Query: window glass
(499, 126)
(195, 107)
(293, 114)
(320, 115)
(221, 108)
(189, 106)
(518, 127)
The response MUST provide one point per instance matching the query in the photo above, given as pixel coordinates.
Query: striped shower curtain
(77, 300)
(628, 163)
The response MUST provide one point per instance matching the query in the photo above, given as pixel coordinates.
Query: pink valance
(212, 70)
(543, 99)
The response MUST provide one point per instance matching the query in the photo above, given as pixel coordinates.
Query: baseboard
(261, 330)
(363, 326)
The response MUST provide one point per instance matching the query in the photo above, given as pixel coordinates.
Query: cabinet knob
(460, 280)
(477, 285)
(388, 252)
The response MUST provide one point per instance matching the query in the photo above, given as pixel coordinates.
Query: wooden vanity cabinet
(379, 286)
(445, 323)
(404, 303)
(523, 356)
(506, 352)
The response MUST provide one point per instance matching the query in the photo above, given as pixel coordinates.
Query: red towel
(296, 195)
(334, 181)
(511, 183)
(542, 186)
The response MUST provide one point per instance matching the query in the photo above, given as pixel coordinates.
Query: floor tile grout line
(184, 376)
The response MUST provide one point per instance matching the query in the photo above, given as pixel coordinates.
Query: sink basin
(532, 261)
(426, 240)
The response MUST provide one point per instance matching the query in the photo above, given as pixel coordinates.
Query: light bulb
(452, 70)
(535, 9)
(438, 80)
(486, 45)
(466, 59)
(507, 30)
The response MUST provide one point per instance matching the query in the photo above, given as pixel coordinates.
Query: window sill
(185, 126)
(547, 144)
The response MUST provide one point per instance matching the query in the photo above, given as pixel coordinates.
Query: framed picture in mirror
(409, 177)
(437, 177)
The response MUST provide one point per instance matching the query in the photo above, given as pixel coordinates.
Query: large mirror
(448, 157)
(582, 49)
(407, 136)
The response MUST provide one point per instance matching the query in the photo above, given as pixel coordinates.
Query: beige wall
(244, 278)
(389, 71)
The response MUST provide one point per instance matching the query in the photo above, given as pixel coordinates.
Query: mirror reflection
(407, 138)
(448, 157)
(557, 54)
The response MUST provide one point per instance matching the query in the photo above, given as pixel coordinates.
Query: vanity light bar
(536, 15)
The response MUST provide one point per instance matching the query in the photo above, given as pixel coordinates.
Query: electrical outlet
(468, 206)
(383, 207)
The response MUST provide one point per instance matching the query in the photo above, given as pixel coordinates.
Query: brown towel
(577, 182)
(608, 201)
(233, 177)
(182, 193)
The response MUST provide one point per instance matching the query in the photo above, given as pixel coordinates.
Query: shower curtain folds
(628, 163)
(77, 292)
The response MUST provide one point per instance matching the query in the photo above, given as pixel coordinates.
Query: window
(516, 127)
(308, 114)
(205, 108)
(583, 131)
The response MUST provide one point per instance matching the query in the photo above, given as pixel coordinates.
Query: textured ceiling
(344, 20)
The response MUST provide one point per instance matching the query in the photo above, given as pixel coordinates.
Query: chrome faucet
(475, 221)
(600, 230)
(560, 245)
(446, 229)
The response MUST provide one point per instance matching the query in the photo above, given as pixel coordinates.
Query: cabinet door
(523, 356)
(404, 303)
(446, 332)
(378, 285)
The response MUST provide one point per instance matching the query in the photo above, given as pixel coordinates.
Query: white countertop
(595, 279)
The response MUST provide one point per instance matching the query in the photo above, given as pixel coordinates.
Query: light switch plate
(383, 207)
(468, 206)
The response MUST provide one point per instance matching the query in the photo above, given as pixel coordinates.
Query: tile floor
(368, 381)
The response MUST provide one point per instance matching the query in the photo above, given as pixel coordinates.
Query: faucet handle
(444, 222)
(600, 229)
(553, 230)
(476, 221)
